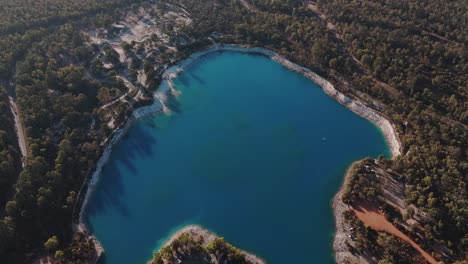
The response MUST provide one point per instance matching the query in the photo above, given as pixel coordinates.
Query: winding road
(19, 128)
(248, 6)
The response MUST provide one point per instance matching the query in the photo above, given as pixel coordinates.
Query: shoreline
(355, 105)
(208, 236)
(166, 86)
(342, 253)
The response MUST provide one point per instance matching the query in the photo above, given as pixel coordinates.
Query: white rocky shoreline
(355, 105)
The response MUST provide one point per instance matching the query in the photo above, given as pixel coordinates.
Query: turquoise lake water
(252, 151)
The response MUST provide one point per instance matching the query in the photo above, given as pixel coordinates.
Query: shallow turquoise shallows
(252, 151)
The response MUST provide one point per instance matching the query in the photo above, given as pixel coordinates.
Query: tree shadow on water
(110, 190)
(173, 104)
(138, 143)
(184, 80)
(107, 194)
(198, 79)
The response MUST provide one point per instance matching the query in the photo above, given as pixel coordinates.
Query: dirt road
(377, 221)
(19, 130)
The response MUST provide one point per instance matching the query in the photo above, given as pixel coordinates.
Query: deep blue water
(252, 151)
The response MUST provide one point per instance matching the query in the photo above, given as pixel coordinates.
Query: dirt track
(377, 221)
(19, 129)
(248, 6)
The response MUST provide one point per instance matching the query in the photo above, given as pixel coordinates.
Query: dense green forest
(56, 102)
(419, 47)
(426, 84)
(190, 249)
(407, 59)
(20, 15)
(9, 156)
(44, 59)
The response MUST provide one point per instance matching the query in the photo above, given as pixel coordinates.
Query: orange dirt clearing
(371, 217)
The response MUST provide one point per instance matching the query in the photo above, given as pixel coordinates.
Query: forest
(423, 64)
(9, 156)
(407, 60)
(17, 16)
(188, 248)
(43, 61)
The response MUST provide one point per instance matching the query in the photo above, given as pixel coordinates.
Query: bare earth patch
(372, 217)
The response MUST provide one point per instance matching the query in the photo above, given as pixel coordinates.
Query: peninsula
(194, 244)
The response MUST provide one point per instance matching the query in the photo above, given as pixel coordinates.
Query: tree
(11, 208)
(59, 255)
(52, 243)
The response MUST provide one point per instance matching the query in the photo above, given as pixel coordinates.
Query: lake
(251, 151)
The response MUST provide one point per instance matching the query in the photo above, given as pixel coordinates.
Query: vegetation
(20, 15)
(405, 59)
(419, 48)
(9, 156)
(424, 90)
(188, 249)
(58, 103)
(362, 183)
(387, 248)
(182, 248)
